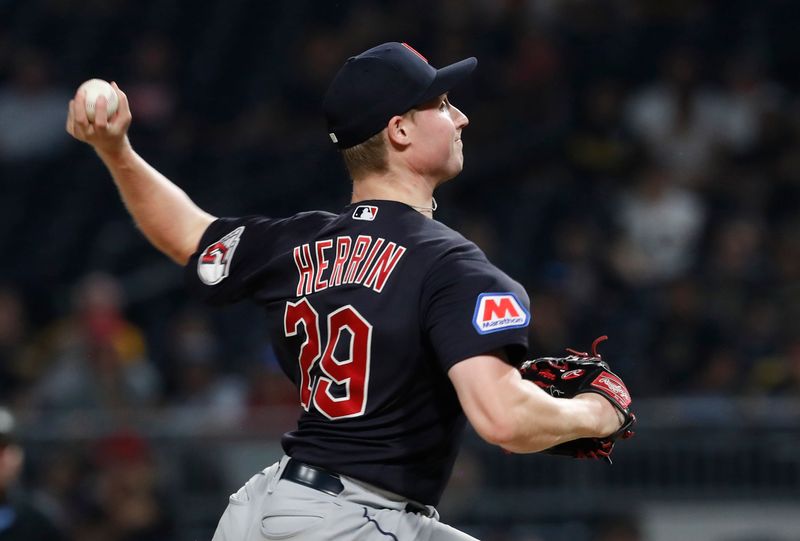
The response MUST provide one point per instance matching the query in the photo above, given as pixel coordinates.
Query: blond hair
(367, 157)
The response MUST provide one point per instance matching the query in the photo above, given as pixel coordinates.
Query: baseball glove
(580, 372)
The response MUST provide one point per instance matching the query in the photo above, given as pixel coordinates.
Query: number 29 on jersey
(352, 373)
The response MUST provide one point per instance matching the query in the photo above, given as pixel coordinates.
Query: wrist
(602, 418)
(116, 153)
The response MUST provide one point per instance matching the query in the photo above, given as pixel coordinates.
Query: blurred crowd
(636, 164)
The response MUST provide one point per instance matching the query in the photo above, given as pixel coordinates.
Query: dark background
(635, 164)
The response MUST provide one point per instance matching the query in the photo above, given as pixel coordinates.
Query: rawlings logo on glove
(609, 384)
(566, 377)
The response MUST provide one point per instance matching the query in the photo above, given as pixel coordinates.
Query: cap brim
(449, 77)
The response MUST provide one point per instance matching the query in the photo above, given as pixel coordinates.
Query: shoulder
(457, 263)
(260, 225)
(313, 216)
(447, 246)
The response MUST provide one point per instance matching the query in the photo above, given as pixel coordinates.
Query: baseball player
(394, 328)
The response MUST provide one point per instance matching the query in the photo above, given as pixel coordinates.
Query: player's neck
(412, 190)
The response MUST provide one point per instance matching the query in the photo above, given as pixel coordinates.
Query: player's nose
(459, 118)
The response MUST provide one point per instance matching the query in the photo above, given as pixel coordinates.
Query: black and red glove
(580, 372)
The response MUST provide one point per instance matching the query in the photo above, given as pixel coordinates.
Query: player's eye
(444, 105)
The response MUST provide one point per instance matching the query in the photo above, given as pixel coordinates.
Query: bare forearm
(517, 415)
(540, 421)
(164, 213)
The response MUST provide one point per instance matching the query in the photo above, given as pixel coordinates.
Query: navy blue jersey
(367, 311)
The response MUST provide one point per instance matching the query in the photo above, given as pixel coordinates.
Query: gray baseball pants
(269, 508)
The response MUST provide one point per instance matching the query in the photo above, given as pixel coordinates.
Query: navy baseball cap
(382, 82)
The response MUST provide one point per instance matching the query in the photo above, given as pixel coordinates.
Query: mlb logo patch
(215, 261)
(365, 212)
(499, 311)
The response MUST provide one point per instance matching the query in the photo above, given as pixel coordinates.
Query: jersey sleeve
(470, 307)
(231, 257)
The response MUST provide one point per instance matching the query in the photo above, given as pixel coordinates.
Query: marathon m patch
(499, 311)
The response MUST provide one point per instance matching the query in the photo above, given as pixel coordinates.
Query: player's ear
(397, 131)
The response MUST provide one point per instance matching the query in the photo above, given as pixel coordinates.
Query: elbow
(498, 429)
(515, 441)
(519, 433)
(496, 417)
(177, 254)
(498, 435)
(511, 437)
(180, 241)
(180, 257)
(181, 249)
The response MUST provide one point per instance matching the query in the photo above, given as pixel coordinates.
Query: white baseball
(95, 88)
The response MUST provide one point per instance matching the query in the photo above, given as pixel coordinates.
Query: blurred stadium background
(636, 164)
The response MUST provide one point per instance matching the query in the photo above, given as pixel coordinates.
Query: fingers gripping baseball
(106, 132)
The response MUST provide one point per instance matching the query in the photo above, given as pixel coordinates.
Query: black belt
(329, 483)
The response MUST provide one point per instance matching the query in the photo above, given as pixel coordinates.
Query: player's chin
(459, 162)
(452, 172)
